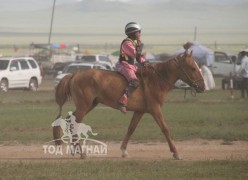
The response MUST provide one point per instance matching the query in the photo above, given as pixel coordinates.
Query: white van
(19, 72)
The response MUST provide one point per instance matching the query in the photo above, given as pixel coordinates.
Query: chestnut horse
(88, 88)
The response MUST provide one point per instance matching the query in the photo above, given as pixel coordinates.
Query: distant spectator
(201, 54)
(41, 69)
(244, 73)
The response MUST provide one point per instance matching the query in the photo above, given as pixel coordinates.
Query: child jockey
(130, 49)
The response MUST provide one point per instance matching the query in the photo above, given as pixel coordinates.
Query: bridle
(193, 83)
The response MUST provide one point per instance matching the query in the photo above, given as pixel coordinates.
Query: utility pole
(51, 25)
(195, 33)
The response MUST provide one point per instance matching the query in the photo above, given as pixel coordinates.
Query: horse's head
(190, 72)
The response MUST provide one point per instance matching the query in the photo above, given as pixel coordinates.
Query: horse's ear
(186, 52)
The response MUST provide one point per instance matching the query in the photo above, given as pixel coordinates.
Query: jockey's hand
(140, 46)
(140, 43)
(143, 54)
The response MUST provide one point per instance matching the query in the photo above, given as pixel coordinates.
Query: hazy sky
(35, 4)
(38, 4)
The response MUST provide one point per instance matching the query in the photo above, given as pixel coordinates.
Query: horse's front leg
(132, 126)
(165, 129)
(77, 148)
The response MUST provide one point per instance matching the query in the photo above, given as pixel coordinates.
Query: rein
(192, 90)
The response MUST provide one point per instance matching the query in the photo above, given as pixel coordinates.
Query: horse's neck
(169, 72)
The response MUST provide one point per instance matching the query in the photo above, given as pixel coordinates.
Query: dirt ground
(193, 150)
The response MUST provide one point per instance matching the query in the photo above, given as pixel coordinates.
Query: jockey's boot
(133, 84)
(123, 103)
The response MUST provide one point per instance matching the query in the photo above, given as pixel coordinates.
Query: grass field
(112, 170)
(26, 118)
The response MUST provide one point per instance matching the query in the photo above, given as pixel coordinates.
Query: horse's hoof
(177, 157)
(124, 153)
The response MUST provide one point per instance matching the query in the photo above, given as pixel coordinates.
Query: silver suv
(95, 58)
(21, 72)
(76, 67)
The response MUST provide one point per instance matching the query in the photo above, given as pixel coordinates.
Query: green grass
(217, 170)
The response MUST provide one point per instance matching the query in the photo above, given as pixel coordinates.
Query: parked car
(224, 64)
(95, 58)
(76, 67)
(21, 72)
(59, 66)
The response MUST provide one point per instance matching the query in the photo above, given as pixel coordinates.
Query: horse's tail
(62, 92)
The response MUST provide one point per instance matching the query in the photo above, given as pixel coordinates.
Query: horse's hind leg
(83, 106)
(56, 135)
(132, 126)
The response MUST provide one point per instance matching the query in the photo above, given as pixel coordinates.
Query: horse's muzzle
(199, 86)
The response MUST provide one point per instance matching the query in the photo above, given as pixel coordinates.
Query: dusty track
(193, 150)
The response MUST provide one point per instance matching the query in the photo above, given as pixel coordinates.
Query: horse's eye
(193, 69)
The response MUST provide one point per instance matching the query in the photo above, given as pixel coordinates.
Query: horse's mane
(155, 75)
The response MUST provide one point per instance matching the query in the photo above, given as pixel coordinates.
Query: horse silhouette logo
(73, 130)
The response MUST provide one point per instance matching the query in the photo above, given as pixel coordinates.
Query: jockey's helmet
(132, 27)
